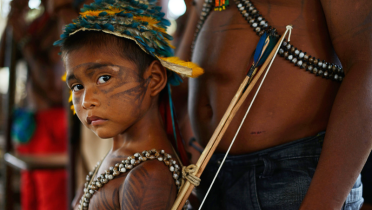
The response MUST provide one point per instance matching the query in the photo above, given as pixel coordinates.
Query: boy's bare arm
(348, 141)
(148, 186)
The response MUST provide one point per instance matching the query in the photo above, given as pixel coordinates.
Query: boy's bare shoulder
(149, 185)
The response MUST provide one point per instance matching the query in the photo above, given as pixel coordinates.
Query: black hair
(126, 48)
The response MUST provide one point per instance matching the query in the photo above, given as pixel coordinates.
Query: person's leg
(28, 191)
(53, 189)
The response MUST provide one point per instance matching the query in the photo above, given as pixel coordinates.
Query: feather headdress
(141, 21)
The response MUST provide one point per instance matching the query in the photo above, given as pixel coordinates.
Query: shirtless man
(292, 103)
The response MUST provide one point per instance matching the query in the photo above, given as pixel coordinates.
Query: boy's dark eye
(103, 79)
(76, 88)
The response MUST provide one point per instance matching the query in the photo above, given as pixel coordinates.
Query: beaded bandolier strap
(93, 184)
(289, 52)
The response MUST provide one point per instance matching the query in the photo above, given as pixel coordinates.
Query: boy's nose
(90, 100)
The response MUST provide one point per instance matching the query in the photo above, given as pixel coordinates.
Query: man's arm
(148, 186)
(348, 140)
(180, 93)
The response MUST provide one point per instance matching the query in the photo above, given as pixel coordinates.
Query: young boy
(115, 56)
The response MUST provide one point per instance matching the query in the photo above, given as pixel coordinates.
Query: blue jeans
(272, 179)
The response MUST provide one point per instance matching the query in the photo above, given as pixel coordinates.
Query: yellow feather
(150, 20)
(196, 70)
(63, 78)
(70, 98)
(73, 109)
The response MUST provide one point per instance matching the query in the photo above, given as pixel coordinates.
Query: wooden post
(10, 60)
(74, 139)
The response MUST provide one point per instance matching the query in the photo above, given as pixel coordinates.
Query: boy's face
(109, 94)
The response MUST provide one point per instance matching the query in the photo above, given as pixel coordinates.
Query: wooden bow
(244, 89)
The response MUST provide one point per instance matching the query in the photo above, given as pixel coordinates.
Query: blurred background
(43, 147)
(45, 152)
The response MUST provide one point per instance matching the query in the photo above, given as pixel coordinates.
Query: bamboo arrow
(264, 54)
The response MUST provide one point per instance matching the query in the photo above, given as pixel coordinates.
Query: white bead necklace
(92, 185)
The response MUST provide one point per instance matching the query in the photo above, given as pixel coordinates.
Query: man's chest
(221, 34)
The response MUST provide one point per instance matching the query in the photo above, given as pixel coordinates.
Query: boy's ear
(158, 77)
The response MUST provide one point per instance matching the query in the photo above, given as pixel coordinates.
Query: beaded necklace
(289, 52)
(93, 185)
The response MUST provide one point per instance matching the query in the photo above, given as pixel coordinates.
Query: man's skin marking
(257, 132)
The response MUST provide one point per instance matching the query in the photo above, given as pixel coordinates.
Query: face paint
(108, 96)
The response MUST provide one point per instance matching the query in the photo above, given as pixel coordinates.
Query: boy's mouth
(94, 120)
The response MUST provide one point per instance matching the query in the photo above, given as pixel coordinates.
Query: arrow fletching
(264, 47)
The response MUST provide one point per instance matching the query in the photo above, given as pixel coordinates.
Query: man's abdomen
(292, 103)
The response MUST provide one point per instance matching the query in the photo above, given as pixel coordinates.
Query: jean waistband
(304, 147)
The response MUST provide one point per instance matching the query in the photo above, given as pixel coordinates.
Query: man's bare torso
(292, 103)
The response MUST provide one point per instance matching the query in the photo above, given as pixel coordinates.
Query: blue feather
(165, 22)
(143, 6)
(108, 27)
(58, 42)
(64, 35)
(161, 14)
(172, 114)
(139, 38)
(259, 47)
(96, 26)
(102, 14)
(150, 49)
(126, 32)
(264, 47)
(123, 14)
(91, 18)
(134, 25)
(85, 23)
(167, 36)
(129, 8)
(174, 79)
(270, 44)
